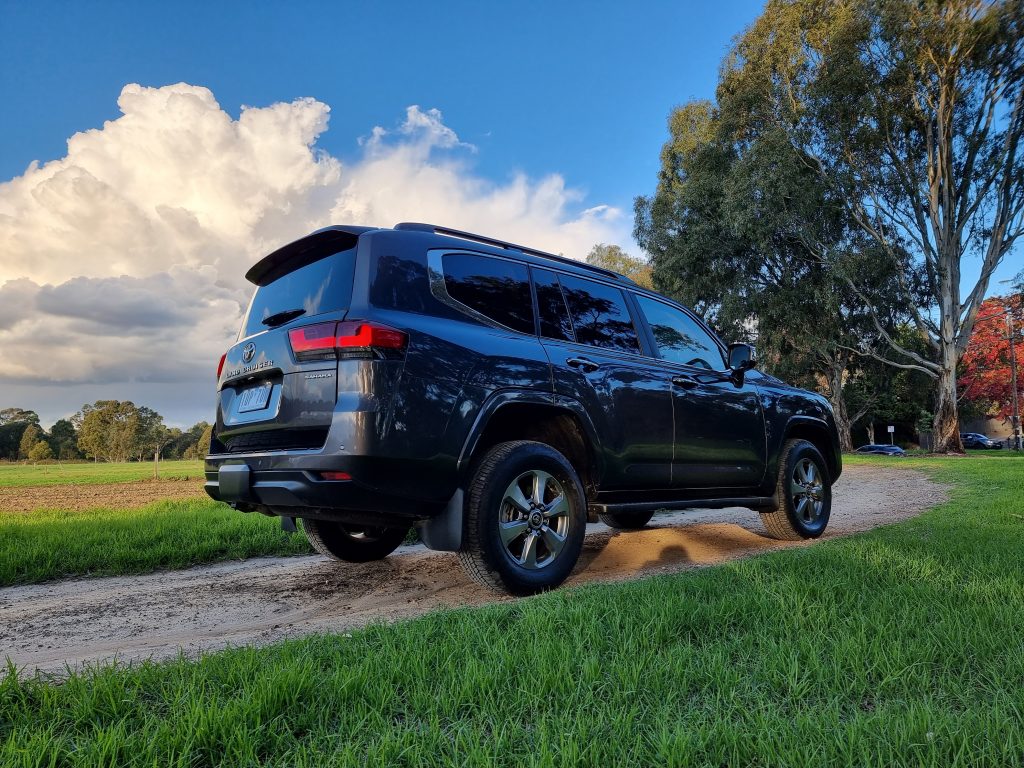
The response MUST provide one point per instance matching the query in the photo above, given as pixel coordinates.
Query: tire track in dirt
(48, 626)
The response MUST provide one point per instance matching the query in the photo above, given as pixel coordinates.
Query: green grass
(902, 646)
(19, 475)
(50, 544)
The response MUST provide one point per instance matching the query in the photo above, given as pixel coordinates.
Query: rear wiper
(280, 318)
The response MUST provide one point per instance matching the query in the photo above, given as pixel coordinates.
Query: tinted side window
(599, 314)
(554, 315)
(495, 288)
(679, 338)
(401, 283)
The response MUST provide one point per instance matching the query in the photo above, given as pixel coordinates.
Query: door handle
(582, 363)
(686, 382)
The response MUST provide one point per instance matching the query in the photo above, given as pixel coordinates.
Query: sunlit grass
(901, 646)
(50, 544)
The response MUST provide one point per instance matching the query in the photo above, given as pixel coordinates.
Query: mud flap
(444, 531)
(288, 524)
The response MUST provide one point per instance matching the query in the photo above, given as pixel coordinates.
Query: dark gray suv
(498, 398)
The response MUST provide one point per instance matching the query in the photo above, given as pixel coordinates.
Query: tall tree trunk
(871, 432)
(842, 422)
(946, 426)
(835, 397)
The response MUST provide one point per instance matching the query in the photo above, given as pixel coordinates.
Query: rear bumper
(291, 485)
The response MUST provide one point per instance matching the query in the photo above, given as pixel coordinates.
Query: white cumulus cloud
(123, 261)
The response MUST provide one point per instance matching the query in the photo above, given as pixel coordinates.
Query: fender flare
(444, 531)
(833, 456)
(506, 397)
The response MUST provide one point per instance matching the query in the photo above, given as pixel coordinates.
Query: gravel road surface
(49, 626)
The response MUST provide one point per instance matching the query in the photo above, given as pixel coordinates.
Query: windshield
(324, 285)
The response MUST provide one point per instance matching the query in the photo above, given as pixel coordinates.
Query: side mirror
(742, 358)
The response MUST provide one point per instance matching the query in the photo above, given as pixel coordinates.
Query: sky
(149, 153)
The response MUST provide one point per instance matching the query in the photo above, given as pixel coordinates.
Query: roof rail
(436, 229)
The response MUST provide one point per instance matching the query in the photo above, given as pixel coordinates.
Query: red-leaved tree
(985, 365)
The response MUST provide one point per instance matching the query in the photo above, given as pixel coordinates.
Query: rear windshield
(324, 285)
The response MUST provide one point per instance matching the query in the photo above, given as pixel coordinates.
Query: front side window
(679, 337)
(495, 288)
(599, 314)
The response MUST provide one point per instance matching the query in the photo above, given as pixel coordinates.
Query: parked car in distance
(882, 450)
(498, 398)
(978, 440)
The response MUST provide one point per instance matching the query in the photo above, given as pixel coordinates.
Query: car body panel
(630, 404)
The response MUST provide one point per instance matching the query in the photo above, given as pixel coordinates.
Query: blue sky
(582, 89)
(152, 152)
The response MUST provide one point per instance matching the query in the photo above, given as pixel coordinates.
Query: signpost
(891, 430)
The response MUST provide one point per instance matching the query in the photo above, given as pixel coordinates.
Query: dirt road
(49, 626)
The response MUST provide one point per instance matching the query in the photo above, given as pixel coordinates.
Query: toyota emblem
(248, 352)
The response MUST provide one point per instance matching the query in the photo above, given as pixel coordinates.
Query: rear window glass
(554, 315)
(599, 314)
(496, 288)
(322, 286)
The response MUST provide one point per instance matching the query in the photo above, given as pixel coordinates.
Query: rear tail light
(220, 365)
(346, 340)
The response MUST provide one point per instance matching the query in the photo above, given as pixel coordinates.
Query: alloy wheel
(533, 522)
(807, 488)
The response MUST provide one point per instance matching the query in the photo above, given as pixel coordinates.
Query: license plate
(253, 399)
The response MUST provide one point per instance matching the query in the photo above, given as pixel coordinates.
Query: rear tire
(625, 520)
(804, 491)
(353, 543)
(525, 519)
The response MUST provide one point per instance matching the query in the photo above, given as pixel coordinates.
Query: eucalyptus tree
(728, 230)
(614, 258)
(911, 112)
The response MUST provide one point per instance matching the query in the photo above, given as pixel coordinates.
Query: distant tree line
(107, 430)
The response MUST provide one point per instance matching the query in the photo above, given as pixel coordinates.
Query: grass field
(901, 646)
(20, 475)
(50, 544)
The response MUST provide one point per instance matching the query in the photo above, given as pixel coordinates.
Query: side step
(751, 502)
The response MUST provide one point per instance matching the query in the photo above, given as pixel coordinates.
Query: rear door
(268, 398)
(719, 426)
(594, 347)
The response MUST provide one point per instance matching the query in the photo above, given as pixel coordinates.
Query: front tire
(525, 519)
(804, 492)
(353, 543)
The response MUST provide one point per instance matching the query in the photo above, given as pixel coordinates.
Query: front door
(719, 426)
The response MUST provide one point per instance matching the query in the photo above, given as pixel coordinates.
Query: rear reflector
(351, 338)
(220, 365)
(335, 475)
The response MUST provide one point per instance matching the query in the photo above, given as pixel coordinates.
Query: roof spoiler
(303, 251)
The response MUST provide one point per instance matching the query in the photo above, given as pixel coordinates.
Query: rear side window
(554, 315)
(599, 314)
(401, 283)
(324, 285)
(495, 288)
(679, 337)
